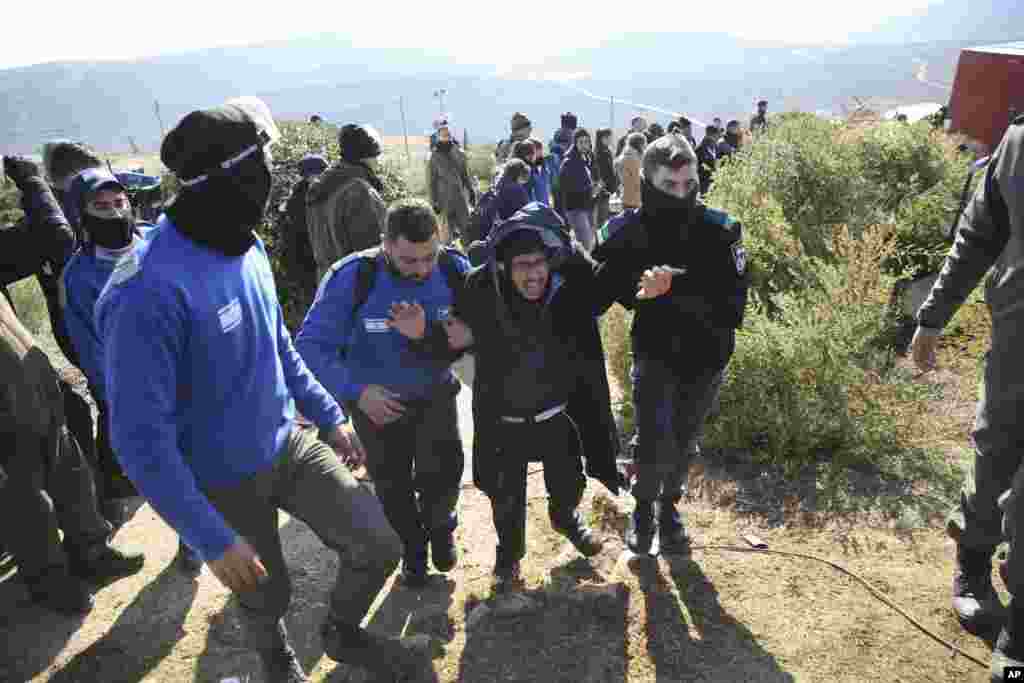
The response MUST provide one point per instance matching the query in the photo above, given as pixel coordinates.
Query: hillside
(111, 104)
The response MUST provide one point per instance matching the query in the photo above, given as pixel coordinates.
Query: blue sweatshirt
(375, 353)
(200, 375)
(83, 279)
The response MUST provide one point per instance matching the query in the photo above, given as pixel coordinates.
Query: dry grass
(715, 616)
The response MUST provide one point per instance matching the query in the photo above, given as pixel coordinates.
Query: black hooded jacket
(480, 305)
(693, 326)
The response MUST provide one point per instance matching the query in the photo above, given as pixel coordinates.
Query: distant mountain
(111, 104)
(978, 21)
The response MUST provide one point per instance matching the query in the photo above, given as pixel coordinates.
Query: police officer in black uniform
(682, 268)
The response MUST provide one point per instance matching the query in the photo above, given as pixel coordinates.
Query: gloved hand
(21, 170)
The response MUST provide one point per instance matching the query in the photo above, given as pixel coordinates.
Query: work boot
(580, 535)
(414, 567)
(442, 550)
(674, 538)
(975, 601)
(280, 665)
(507, 576)
(187, 560)
(384, 656)
(58, 590)
(643, 528)
(1009, 649)
(102, 564)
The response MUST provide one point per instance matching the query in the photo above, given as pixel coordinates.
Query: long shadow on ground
(144, 633)
(568, 635)
(690, 637)
(32, 636)
(312, 568)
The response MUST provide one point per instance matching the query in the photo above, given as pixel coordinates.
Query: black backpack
(369, 263)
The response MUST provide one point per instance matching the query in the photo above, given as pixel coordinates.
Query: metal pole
(156, 108)
(405, 130)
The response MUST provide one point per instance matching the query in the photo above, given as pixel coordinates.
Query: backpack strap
(366, 275)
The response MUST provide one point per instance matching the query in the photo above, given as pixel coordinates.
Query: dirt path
(713, 616)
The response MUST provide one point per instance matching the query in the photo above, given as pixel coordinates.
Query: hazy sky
(483, 32)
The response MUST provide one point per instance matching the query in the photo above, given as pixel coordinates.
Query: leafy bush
(806, 175)
(814, 383)
(30, 305)
(10, 203)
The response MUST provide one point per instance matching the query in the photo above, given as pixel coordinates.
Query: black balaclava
(659, 205)
(114, 231)
(111, 228)
(221, 211)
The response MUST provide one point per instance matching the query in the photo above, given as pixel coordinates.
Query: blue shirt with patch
(201, 377)
(349, 350)
(81, 282)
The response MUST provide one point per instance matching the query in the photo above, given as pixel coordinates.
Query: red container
(988, 92)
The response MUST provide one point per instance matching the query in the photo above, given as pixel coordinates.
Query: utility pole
(405, 131)
(159, 119)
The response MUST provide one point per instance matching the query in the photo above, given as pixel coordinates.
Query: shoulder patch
(719, 218)
(739, 255)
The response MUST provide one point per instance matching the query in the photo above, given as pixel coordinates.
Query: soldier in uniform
(451, 189)
(990, 235)
(682, 268)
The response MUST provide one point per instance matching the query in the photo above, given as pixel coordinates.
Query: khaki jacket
(344, 214)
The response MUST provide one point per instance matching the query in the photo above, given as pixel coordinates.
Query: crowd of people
(208, 410)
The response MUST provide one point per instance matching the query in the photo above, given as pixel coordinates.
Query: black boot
(674, 538)
(280, 665)
(58, 590)
(102, 564)
(442, 549)
(642, 534)
(382, 655)
(414, 566)
(1009, 649)
(579, 534)
(975, 601)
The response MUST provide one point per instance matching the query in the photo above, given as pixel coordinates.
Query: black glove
(21, 170)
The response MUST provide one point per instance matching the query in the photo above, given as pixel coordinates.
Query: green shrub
(10, 203)
(30, 305)
(813, 384)
(806, 175)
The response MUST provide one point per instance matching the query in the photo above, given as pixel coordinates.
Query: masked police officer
(682, 268)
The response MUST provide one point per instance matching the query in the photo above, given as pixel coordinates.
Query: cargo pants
(309, 482)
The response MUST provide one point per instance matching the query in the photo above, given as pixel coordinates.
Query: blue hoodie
(374, 353)
(200, 377)
(84, 277)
